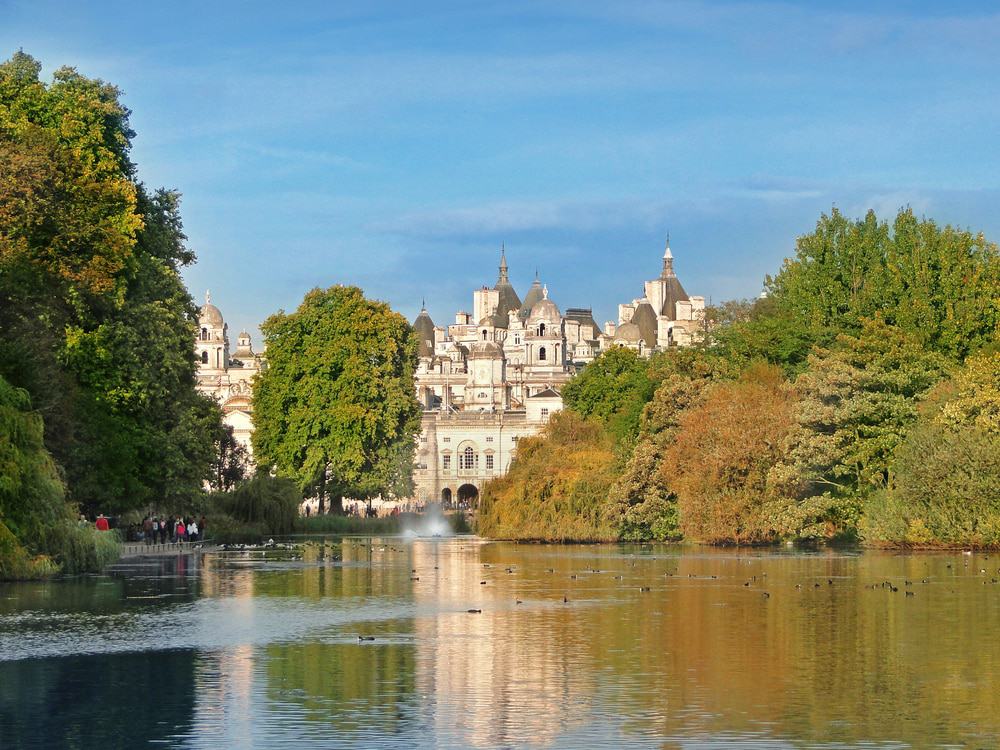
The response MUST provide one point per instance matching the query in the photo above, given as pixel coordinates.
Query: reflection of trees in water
(368, 688)
(105, 701)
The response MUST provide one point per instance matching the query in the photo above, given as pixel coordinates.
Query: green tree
(937, 285)
(856, 403)
(613, 389)
(232, 461)
(336, 408)
(95, 322)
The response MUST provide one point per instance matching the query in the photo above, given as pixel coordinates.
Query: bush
(16, 564)
(336, 524)
(264, 504)
(556, 489)
(80, 548)
(947, 489)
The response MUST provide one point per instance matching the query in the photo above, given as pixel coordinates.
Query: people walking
(101, 524)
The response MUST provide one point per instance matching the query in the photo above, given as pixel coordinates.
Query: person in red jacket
(101, 523)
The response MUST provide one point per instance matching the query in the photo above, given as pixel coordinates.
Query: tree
(336, 407)
(936, 285)
(721, 464)
(95, 322)
(855, 404)
(232, 461)
(613, 389)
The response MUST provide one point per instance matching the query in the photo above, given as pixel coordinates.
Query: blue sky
(396, 145)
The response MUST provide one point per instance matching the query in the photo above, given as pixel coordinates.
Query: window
(513, 438)
(489, 438)
(489, 461)
(204, 358)
(484, 334)
(446, 461)
(517, 338)
(541, 354)
(545, 413)
(541, 329)
(446, 440)
(468, 459)
(423, 438)
(204, 334)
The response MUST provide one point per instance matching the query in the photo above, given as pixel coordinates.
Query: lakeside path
(141, 549)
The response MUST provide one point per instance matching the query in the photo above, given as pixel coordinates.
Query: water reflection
(574, 646)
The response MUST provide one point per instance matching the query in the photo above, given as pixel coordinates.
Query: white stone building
(224, 375)
(491, 378)
(664, 316)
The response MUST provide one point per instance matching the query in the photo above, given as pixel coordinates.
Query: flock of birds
(750, 582)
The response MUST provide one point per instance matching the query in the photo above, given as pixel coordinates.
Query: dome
(532, 298)
(507, 298)
(629, 333)
(496, 320)
(545, 310)
(485, 350)
(209, 314)
(645, 319)
(423, 327)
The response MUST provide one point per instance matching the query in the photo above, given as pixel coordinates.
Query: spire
(423, 304)
(208, 297)
(668, 261)
(545, 292)
(503, 265)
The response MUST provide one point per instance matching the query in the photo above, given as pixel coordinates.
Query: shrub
(265, 503)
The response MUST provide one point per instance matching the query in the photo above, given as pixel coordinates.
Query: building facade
(224, 375)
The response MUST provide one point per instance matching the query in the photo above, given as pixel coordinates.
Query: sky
(396, 146)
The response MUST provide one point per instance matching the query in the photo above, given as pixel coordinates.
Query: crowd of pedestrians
(167, 530)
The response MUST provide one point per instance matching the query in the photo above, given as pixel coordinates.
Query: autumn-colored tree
(720, 464)
(336, 408)
(556, 488)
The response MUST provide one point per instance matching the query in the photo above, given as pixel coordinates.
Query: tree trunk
(337, 505)
(322, 493)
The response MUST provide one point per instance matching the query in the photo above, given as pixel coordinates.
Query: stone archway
(446, 497)
(469, 495)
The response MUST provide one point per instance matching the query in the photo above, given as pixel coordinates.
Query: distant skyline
(396, 146)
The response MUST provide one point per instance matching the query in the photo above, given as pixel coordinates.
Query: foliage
(720, 464)
(335, 409)
(95, 322)
(232, 461)
(39, 534)
(855, 404)
(937, 285)
(613, 389)
(977, 395)
(646, 506)
(329, 523)
(556, 490)
(947, 489)
(270, 502)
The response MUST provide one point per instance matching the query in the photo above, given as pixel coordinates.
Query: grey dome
(532, 298)
(645, 318)
(628, 332)
(423, 327)
(545, 310)
(508, 299)
(209, 314)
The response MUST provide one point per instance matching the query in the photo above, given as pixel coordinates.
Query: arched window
(484, 334)
(468, 458)
(541, 329)
(541, 354)
(204, 358)
(204, 334)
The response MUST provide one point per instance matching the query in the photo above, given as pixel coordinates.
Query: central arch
(469, 494)
(446, 497)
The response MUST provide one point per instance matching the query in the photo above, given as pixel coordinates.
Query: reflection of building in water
(502, 678)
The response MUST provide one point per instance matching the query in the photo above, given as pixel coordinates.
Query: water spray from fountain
(431, 524)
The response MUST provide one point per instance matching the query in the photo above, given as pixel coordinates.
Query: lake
(653, 647)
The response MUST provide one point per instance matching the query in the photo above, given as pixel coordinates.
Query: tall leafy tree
(95, 322)
(336, 407)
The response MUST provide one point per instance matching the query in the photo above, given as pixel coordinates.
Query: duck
(366, 638)
(474, 611)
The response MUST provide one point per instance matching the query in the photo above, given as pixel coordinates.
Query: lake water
(726, 648)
